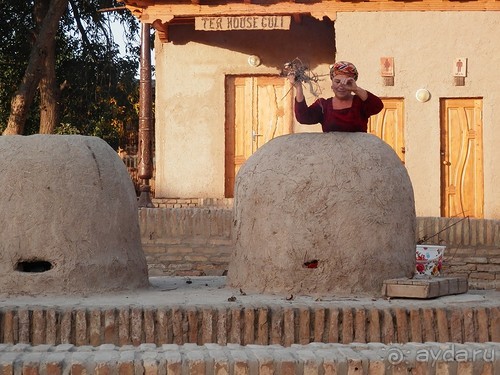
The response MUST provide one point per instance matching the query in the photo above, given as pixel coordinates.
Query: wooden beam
(297, 18)
(114, 9)
(161, 29)
(166, 12)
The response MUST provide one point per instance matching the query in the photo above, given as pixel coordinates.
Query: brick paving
(315, 358)
(197, 325)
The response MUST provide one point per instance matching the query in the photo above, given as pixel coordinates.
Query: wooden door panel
(242, 121)
(273, 109)
(229, 135)
(462, 191)
(388, 125)
(257, 110)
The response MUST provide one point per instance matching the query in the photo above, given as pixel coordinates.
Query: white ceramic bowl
(429, 259)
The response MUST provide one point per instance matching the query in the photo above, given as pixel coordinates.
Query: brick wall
(472, 247)
(197, 241)
(192, 202)
(186, 241)
(370, 359)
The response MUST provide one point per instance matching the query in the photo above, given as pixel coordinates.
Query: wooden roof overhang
(162, 13)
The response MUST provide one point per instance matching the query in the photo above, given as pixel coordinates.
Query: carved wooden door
(462, 186)
(258, 109)
(388, 125)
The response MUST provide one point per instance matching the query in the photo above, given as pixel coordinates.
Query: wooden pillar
(145, 119)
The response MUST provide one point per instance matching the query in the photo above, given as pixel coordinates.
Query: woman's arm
(299, 92)
(372, 104)
(305, 114)
(362, 93)
(309, 115)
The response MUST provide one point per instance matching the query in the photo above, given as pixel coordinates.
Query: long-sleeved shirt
(353, 119)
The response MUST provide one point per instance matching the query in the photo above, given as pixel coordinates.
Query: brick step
(314, 358)
(262, 325)
(204, 310)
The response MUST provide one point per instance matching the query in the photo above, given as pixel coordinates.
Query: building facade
(220, 93)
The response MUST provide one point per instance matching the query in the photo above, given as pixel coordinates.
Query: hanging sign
(225, 23)
(387, 66)
(460, 67)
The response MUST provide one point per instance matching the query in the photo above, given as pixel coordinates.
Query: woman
(347, 111)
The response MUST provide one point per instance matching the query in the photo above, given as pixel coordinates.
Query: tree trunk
(23, 98)
(49, 92)
(49, 96)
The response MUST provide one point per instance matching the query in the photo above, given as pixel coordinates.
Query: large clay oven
(68, 218)
(322, 213)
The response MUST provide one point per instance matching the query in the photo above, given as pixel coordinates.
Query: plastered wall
(424, 46)
(191, 69)
(190, 96)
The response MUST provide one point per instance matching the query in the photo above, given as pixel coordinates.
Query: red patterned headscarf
(345, 68)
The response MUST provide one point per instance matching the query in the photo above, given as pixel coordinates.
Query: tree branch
(23, 98)
(79, 25)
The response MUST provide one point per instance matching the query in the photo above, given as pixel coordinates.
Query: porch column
(145, 119)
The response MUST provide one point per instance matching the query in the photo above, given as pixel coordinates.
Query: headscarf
(345, 68)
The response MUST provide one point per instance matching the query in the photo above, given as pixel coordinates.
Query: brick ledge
(315, 358)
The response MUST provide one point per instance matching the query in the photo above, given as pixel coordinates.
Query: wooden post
(145, 119)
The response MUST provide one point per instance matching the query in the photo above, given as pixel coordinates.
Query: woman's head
(344, 68)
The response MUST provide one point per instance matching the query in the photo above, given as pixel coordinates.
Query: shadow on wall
(312, 40)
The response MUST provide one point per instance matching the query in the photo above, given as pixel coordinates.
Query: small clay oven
(68, 218)
(322, 213)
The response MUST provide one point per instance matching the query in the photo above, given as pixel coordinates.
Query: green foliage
(16, 38)
(66, 129)
(99, 88)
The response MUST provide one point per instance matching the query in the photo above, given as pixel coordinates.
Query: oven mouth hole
(33, 266)
(311, 263)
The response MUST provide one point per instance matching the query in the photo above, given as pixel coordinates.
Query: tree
(84, 85)
(16, 39)
(38, 57)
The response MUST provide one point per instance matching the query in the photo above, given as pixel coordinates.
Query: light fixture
(423, 95)
(254, 60)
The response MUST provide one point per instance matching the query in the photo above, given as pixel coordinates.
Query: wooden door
(258, 109)
(462, 189)
(389, 125)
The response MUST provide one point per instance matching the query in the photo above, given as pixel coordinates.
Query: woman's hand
(349, 83)
(293, 80)
(299, 93)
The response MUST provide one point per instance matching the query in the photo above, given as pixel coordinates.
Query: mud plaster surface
(213, 291)
(67, 201)
(343, 201)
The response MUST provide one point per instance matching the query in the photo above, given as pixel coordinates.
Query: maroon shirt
(354, 119)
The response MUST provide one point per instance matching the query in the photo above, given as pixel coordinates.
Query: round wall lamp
(253, 60)
(423, 95)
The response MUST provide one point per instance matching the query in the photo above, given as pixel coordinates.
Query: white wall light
(253, 60)
(423, 95)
